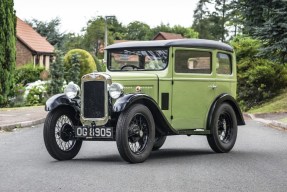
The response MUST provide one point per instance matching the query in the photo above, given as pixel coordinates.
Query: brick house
(31, 47)
(166, 36)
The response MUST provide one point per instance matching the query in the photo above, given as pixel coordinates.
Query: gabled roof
(167, 36)
(33, 40)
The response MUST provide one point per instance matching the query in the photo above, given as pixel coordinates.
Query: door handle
(212, 86)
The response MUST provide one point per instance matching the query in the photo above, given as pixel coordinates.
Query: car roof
(196, 43)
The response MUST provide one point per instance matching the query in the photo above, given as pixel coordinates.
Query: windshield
(145, 59)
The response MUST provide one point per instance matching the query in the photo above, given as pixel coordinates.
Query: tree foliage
(50, 30)
(137, 30)
(87, 63)
(7, 49)
(73, 74)
(57, 74)
(258, 79)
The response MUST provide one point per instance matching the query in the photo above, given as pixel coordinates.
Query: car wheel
(135, 133)
(158, 143)
(59, 135)
(223, 130)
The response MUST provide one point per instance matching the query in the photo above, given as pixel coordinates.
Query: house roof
(33, 40)
(196, 43)
(167, 36)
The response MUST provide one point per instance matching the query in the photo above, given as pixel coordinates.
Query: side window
(224, 64)
(190, 61)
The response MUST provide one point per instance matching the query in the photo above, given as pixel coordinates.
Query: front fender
(162, 125)
(123, 102)
(60, 100)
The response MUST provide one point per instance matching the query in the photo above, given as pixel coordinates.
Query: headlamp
(72, 90)
(116, 90)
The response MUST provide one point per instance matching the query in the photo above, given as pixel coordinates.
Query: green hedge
(87, 63)
(28, 73)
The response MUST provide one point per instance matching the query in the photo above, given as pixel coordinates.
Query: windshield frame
(110, 51)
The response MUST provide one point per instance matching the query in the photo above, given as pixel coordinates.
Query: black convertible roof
(197, 43)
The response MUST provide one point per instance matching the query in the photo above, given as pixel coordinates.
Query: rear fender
(225, 98)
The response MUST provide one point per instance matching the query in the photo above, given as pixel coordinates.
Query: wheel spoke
(138, 133)
(60, 132)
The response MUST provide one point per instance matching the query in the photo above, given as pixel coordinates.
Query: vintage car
(150, 90)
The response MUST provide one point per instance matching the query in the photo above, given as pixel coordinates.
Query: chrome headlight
(72, 90)
(116, 90)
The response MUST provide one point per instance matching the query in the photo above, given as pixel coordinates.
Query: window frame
(230, 62)
(194, 50)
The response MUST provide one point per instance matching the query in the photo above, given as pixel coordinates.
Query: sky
(74, 14)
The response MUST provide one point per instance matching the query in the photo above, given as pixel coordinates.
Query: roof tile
(27, 35)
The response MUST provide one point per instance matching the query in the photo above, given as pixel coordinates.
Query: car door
(225, 74)
(193, 88)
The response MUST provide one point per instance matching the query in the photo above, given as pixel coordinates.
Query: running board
(194, 132)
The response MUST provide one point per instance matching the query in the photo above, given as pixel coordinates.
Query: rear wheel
(59, 135)
(135, 133)
(224, 129)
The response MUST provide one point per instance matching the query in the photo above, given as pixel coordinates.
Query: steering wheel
(132, 66)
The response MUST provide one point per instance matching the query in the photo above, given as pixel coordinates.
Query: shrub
(57, 74)
(28, 73)
(73, 74)
(245, 47)
(87, 63)
(259, 80)
(36, 93)
(17, 100)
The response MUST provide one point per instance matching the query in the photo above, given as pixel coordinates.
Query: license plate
(94, 132)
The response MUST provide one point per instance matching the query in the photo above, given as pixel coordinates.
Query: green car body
(156, 89)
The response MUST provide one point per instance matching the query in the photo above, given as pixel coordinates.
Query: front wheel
(158, 143)
(223, 130)
(59, 135)
(135, 133)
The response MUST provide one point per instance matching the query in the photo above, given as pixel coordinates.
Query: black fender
(225, 98)
(124, 102)
(61, 100)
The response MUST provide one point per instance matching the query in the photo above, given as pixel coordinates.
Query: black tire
(158, 143)
(58, 131)
(135, 133)
(223, 130)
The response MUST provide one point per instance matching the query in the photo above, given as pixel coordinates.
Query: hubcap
(138, 133)
(64, 133)
(225, 127)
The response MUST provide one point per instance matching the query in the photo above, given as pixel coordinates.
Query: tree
(73, 73)
(72, 41)
(255, 13)
(50, 30)
(137, 30)
(7, 49)
(94, 35)
(161, 28)
(265, 20)
(185, 32)
(216, 24)
(57, 74)
(273, 33)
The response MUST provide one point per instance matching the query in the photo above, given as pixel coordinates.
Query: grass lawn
(275, 105)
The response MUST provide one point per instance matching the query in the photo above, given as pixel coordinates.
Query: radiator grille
(94, 99)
